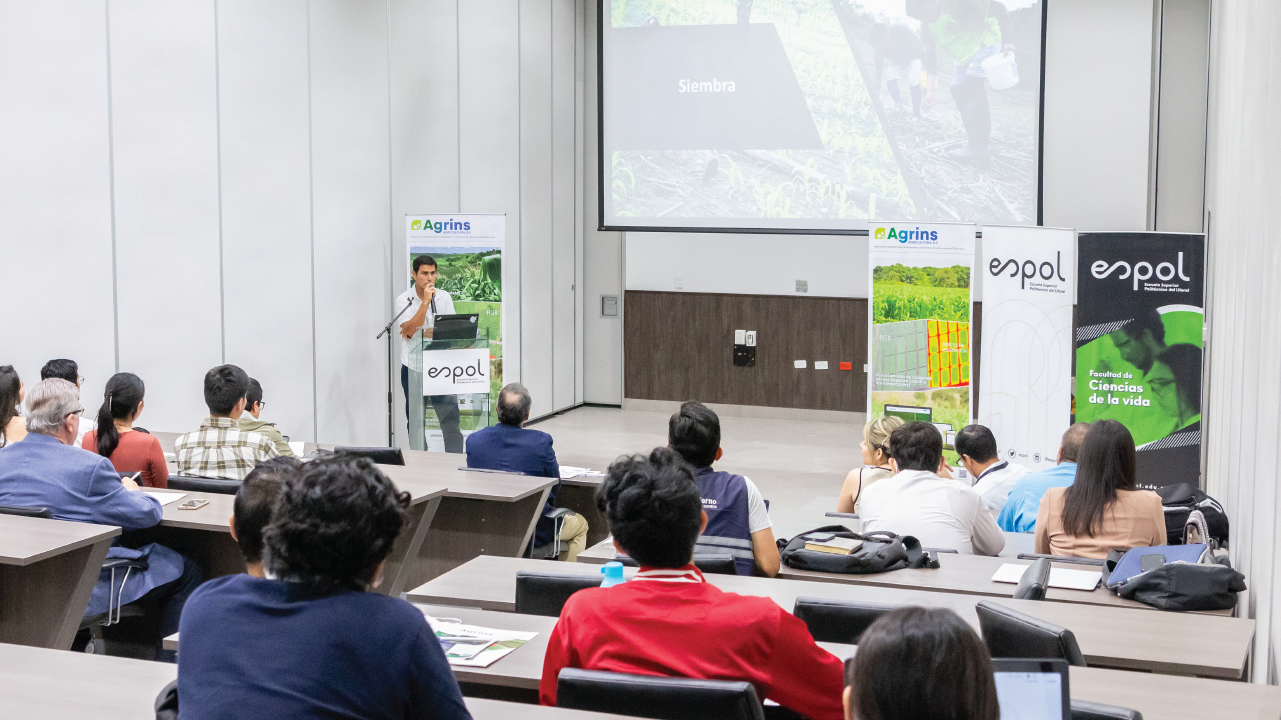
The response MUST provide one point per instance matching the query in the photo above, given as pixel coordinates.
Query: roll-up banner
(1025, 386)
(1140, 313)
(919, 324)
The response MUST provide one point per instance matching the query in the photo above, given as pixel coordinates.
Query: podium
(450, 391)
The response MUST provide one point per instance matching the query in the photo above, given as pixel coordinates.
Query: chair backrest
(379, 455)
(707, 563)
(1012, 634)
(1086, 710)
(651, 696)
(545, 593)
(838, 621)
(35, 512)
(217, 486)
(1035, 581)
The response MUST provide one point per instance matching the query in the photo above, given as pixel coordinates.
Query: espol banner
(455, 372)
(1029, 286)
(1139, 345)
(919, 324)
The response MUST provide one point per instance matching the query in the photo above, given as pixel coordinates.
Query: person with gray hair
(47, 470)
(511, 447)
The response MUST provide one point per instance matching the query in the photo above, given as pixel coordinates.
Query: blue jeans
(446, 407)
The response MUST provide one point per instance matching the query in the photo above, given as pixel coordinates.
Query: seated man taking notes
(993, 477)
(915, 501)
(313, 640)
(668, 620)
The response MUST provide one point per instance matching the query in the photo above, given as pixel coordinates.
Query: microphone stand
(391, 402)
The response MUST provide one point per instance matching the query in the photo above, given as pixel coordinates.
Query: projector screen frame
(600, 155)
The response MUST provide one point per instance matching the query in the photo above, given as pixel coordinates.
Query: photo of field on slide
(909, 130)
(920, 293)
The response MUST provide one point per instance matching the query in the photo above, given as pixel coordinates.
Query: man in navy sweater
(510, 447)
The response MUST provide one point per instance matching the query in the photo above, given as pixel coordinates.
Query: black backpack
(1186, 586)
(1179, 501)
(881, 552)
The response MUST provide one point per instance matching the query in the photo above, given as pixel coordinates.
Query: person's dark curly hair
(336, 520)
(653, 507)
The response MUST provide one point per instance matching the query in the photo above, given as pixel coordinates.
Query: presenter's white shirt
(444, 306)
(995, 484)
(940, 513)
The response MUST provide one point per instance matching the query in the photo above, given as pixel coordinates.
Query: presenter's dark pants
(446, 407)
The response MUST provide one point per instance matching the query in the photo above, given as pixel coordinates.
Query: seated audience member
(13, 427)
(255, 499)
(115, 439)
(69, 371)
(1019, 513)
(667, 620)
(737, 520)
(1101, 510)
(919, 663)
(316, 640)
(940, 513)
(993, 477)
(254, 406)
(876, 462)
(46, 470)
(511, 447)
(220, 449)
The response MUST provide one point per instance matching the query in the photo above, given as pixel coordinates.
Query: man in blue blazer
(510, 447)
(48, 470)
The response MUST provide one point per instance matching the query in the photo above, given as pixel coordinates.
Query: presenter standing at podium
(426, 301)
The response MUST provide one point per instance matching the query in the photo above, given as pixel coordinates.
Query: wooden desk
(206, 534)
(1109, 637)
(482, 709)
(579, 494)
(47, 572)
(62, 685)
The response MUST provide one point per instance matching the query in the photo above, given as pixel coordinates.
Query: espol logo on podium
(454, 372)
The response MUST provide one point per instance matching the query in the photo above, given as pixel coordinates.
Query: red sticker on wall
(847, 366)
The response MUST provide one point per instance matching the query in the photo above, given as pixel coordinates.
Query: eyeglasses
(80, 380)
(261, 404)
(81, 411)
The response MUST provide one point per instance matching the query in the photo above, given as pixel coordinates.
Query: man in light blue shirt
(1019, 513)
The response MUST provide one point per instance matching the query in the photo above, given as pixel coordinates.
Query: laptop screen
(1030, 692)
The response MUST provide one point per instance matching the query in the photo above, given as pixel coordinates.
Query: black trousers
(446, 407)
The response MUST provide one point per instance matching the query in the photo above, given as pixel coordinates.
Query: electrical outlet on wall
(803, 286)
(751, 338)
(680, 282)
(740, 337)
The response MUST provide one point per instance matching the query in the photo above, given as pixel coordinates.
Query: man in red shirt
(668, 620)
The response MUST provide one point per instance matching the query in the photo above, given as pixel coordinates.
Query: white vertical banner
(919, 324)
(1025, 382)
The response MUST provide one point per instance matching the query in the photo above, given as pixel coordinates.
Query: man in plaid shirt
(220, 449)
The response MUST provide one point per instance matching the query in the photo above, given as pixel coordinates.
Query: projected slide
(819, 114)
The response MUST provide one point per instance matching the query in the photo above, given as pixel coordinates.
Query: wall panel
(537, 177)
(266, 204)
(55, 192)
(564, 333)
(165, 120)
(351, 215)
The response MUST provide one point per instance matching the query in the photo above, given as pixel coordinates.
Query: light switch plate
(865, 367)
(680, 282)
(751, 338)
(740, 337)
(820, 364)
(803, 286)
(798, 364)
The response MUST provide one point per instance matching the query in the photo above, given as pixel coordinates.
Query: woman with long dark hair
(116, 439)
(12, 425)
(919, 663)
(1102, 509)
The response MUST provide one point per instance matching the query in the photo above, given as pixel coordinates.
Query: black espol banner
(1140, 313)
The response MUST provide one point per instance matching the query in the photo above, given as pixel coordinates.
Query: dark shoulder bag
(881, 552)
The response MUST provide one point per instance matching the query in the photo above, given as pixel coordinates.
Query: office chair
(116, 611)
(1093, 562)
(217, 486)
(32, 512)
(379, 455)
(545, 593)
(1035, 581)
(1012, 634)
(167, 702)
(838, 621)
(707, 563)
(650, 696)
(1086, 710)
(551, 550)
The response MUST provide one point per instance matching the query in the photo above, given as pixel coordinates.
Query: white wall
(1243, 438)
(225, 181)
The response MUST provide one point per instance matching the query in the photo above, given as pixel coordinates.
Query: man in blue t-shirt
(1019, 513)
(737, 519)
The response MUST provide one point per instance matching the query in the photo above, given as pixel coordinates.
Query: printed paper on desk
(500, 642)
(1059, 577)
(165, 497)
(298, 446)
(569, 471)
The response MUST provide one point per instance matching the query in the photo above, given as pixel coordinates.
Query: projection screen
(817, 115)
